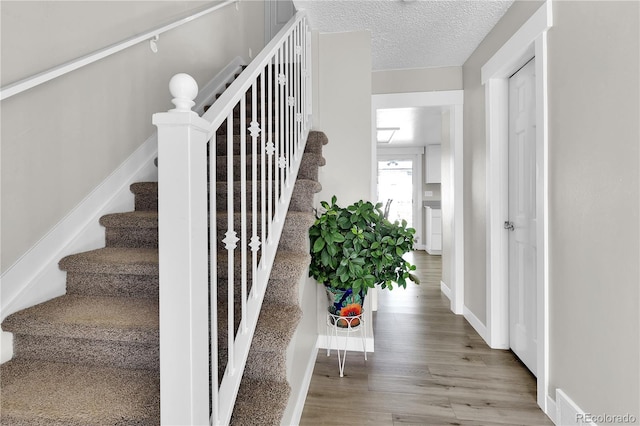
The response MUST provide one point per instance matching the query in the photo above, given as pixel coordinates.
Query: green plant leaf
(318, 245)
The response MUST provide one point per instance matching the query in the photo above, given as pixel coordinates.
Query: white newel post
(182, 222)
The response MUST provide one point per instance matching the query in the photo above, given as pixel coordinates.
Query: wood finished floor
(430, 367)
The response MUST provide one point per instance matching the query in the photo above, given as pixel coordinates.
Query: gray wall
(474, 147)
(342, 110)
(344, 114)
(61, 139)
(594, 222)
(416, 80)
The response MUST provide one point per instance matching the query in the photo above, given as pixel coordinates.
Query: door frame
(528, 42)
(452, 99)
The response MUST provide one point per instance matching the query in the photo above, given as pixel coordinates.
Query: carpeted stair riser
(88, 351)
(113, 285)
(146, 195)
(131, 229)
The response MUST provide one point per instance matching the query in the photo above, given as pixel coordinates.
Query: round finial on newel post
(184, 90)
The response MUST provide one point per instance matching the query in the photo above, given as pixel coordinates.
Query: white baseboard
(6, 346)
(476, 324)
(351, 343)
(551, 410)
(35, 277)
(568, 413)
(434, 252)
(304, 389)
(445, 290)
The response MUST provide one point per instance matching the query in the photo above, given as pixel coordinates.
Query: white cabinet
(432, 164)
(434, 231)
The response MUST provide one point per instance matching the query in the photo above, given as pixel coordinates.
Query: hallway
(429, 367)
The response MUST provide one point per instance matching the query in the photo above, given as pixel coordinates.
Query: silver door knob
(508, 225)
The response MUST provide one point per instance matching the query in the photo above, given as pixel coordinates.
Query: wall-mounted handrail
(37, 79)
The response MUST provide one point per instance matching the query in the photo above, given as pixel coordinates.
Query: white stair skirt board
(478, 326)
(6, 346)
(445, 290)
(296, 402)
(35, 277)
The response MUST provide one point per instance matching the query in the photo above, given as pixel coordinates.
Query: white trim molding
(528, 42)
(568, 413)
(351, 343)
(293, 414)
(452, 99)
(477, 325)
(444, 288)
(6, 346)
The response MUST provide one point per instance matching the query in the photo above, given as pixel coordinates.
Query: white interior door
(521, 224)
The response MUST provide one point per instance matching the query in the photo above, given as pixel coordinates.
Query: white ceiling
(416, 126)
(411, 34)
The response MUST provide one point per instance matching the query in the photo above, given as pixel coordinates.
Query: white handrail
(37, 79)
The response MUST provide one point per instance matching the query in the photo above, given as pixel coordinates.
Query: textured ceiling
(411, 34)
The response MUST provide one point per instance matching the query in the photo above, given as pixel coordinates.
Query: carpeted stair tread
(125, 319)
(113, 260)
(77, 395)
(261, 402)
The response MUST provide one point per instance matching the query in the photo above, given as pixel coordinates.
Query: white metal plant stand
(344, 326)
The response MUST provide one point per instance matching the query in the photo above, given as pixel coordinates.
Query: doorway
(528, 42)
(451, 102)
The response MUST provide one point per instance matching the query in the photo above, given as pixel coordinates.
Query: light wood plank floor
(429, 367)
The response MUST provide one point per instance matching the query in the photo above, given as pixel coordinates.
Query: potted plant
(356, 248)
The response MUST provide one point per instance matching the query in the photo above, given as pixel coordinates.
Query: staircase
(91, 357)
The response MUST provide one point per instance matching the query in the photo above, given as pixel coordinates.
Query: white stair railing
(264, 119)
